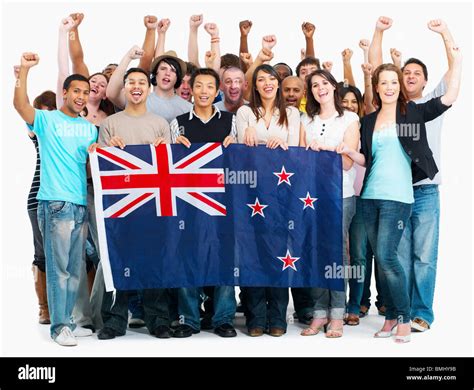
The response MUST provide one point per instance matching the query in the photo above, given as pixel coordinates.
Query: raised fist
(383, 23)
(308, 29)
(29, 60)
(245, 26)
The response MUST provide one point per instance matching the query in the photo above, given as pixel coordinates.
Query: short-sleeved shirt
(169, 107)
(134, 130)
(433, 132)
(63, 143)
(290, 134)
(331, 132)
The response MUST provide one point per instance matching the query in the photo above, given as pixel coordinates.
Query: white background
(109, 30)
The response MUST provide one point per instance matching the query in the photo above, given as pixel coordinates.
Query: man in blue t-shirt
(64, 137)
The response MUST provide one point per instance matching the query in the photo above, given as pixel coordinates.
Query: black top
(32, 201)
(216, 130)
(411, 133)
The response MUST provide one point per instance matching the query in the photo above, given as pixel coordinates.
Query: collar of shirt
(216, 112)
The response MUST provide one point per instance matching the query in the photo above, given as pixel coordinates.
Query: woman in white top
(324, 126)
(266, 121)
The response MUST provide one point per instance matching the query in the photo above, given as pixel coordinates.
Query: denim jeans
(418, 251)
(135, 304)
(39, 259)
(332, 303)
(303, 300)
(155, 307)
(266, 307)
(385, 221)
(361, 257)
(224, 306)
(64, 229)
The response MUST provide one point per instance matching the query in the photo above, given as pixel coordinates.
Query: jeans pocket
(428, 189)
(56, 206)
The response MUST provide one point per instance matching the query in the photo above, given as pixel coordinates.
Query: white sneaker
(66, 338)
(79, 331)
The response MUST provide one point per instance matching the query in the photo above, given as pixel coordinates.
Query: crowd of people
(387, 134)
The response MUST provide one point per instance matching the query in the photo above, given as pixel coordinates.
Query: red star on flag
(288, 261)
(308, 201)
(257, 208)
(283, 176)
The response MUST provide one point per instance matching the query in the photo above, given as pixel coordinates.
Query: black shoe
(225, 330)
(206, 323)
(306, 319)
(183, 331)
(107, 334)
(162, 332)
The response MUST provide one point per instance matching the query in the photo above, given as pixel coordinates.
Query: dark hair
(256, 100)
(74, 77)
(136, 70)
(190, 68)
(47, 98)
(228, 60)
(418, 62)
(313, 108)
(402, 99)
(283, 64)
(204, 71)
(307, 61)
(345, 89)
(174, 64)
(105, 104)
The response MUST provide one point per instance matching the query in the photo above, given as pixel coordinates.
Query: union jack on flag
(162, 180)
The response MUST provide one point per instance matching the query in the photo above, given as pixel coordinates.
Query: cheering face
(292, 91)
(233, 85)
(414, 80)
(184, 89)
(266, 85)
(98, 85)
(305, 70)
(282, 71)
(322, 90)
(77, 96)
(165, 76)
(136, 88)
(349, 102)
(388, 87)
(204, 90)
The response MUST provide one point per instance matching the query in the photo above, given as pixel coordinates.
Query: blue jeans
(418, 251)
(224, 306)
(64, 229)
(331, 303)
(379, 300)
(385, 221)
(266, 307)
(39, 259)
(361, 257)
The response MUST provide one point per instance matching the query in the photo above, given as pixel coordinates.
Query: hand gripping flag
(169, 216)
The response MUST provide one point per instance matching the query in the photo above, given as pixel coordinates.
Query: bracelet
(215, 40)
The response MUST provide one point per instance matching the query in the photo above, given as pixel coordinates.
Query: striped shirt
(32, 201)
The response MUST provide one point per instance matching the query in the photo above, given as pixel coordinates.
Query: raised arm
(193, 50)
(75, 48)
(346, 62)
(213, 31)
(367, 69)
(364, 45)
(440, 27)
(396, 57)
(65, 28)
(308, 31)
(163, 26)
(264, 56)
(20, 99)
(244, 27)
(454, 78)
(151, 24)
(375, 48)
(115, 87)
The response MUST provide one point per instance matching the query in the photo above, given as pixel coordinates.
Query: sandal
(364, 311)
(310, 331)
(352, 319)
(334, 333)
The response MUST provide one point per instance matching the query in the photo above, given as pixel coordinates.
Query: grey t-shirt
(433, 132)
(168, 108)
(134, 130)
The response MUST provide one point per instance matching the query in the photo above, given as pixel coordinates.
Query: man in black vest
(205, 123)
